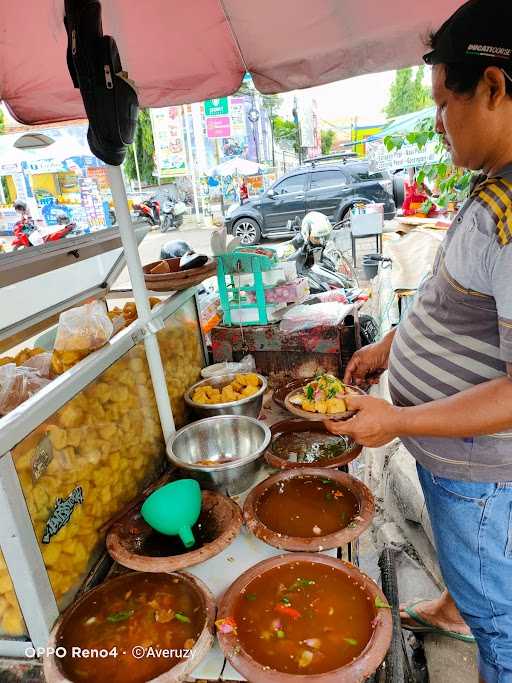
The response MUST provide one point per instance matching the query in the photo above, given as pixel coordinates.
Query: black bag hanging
(109, 97)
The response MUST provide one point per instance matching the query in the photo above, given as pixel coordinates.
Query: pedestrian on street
(244, 192)
(450, 359)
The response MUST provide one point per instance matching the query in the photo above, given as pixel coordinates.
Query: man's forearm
(484, 409)
(387, 340)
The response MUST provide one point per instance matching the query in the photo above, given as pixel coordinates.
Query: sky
(363, 97)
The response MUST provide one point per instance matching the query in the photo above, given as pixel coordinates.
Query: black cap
(478, 31)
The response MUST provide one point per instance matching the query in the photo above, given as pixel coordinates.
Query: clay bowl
(318, 417)
(135, 545)
(314, 543)
(180, 671)
(356, 671)
(294, 426)
(177, 279)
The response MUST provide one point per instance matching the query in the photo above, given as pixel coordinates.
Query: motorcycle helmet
(316, 228)
(62, 218)
(174, 249)
(20, 207)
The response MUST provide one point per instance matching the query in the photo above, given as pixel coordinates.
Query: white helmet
(316, 228)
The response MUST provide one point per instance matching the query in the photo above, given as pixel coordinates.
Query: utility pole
(297, 123)
(136, 164)
(192, 164)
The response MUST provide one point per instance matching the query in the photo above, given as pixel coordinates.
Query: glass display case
(74, 454)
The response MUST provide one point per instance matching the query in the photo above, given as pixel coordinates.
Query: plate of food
(322, 398)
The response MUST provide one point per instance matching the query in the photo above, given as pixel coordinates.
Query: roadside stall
(59, 176)
(77, 452)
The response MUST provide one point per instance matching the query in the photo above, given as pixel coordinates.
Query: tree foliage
(145, 146)
(408, 93)
(271, 104)
(286, 130)
(327, 138)
(450, 184)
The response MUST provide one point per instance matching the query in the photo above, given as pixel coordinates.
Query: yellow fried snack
(323, 395)
(335, 405)
(241, 387)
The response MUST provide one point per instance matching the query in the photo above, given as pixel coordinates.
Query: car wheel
(247, 231)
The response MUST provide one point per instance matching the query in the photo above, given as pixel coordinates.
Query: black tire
(247, 231)
(167, 224)
(178, 221)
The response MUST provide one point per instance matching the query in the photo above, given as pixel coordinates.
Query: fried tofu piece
(336, 405)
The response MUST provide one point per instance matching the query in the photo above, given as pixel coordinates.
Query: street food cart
(90, 440)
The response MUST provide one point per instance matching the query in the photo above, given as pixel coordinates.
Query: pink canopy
(180, 51)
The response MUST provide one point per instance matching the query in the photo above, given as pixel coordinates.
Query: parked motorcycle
(148, 210)
(173, 213)
(26, 233)
(316, 257)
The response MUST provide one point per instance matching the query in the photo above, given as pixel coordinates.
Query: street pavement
(191, 232)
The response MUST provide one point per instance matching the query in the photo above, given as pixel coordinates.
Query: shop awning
(187, 51)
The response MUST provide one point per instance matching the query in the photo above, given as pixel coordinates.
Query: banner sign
(216, 107)
(168, 135)
(237, 113)
(408, 156)
(218, 127)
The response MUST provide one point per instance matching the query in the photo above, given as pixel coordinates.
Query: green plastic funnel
(174, 509)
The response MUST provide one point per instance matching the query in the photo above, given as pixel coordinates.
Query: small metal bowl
(238, 437)
(250, 407)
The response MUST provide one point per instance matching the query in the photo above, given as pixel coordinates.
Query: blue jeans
(472, 525)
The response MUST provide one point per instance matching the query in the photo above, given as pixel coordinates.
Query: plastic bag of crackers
(81, 330)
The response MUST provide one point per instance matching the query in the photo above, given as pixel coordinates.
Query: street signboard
(219, 106)
(218, 127)
(408, 156)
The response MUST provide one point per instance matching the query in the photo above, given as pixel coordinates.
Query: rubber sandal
(425, 627)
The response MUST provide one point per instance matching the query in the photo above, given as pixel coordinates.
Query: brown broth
(307, 506)
(310, 447)
(333, 627)
(150, 611)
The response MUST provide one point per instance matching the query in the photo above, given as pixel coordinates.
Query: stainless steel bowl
(240, 438)
(250, 407)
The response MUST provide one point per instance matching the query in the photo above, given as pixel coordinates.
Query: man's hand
(376, 423)
(369, 363)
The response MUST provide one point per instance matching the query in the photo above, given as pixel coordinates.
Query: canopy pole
(140, 294)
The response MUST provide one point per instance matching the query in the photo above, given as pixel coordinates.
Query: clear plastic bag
(247, 364)
(81, 331)
(40, 363)
(303, 317)
(17, 384)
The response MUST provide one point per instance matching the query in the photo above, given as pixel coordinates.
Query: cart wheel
(396, 666)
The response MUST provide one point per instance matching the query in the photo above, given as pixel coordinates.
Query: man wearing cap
(450, 359)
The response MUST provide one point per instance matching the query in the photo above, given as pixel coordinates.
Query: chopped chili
(287, 611)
